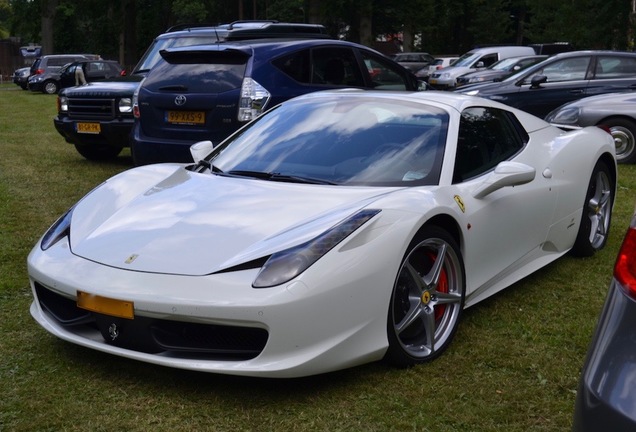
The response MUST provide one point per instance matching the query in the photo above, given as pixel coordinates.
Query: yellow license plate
(89, 128)
(432, 81)
(185, 117)
(105, 305)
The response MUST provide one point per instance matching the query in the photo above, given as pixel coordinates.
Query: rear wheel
(597, 212)
(98, 153)
(427, 299)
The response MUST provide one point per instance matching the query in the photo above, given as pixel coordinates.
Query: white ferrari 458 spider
(339, 228)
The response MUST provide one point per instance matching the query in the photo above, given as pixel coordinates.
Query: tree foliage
(122, 29)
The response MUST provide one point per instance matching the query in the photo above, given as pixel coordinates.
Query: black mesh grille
(179, 339)
(91, 109)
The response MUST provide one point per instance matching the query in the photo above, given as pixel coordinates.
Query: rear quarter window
(608, 67)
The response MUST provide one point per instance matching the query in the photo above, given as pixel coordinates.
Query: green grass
(513, 366)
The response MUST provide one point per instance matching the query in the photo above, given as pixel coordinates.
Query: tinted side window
(384, 76)
(486, 137)
(615, 67)
(335, 66)
(296, 65)
(328, 66)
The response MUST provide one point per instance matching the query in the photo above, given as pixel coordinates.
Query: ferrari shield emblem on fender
(131, 258)
(460, 203)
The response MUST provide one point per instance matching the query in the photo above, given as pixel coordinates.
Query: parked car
(97, 119)
(614, 111)
(437, 64)
(562, 78)
(606, 396)
(45, 71)
(21, 76)
(91, 70)
(414, 61)
(339, 228)
(175, 108)
(500, 70)
(476, 59)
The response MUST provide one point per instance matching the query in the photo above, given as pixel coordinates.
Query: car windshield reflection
(328, 140)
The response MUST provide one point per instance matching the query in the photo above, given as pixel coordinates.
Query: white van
(479, 58)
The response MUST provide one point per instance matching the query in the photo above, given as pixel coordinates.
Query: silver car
(613, 111)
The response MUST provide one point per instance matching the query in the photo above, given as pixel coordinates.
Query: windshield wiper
(273, 176)
(203, 165)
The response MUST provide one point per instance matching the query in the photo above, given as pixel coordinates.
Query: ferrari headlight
(283, 266)
(60, 229)
(564, 116)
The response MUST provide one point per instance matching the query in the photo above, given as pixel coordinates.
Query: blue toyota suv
(97, 118)
(207, 92)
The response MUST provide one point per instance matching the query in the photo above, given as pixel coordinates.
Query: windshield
(340, 139)
(504, 65)
(466, 60)
(152, 56)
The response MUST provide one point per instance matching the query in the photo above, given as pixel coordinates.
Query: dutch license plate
(185, 117)
(432, 81)
(88, 128)
(105, 305)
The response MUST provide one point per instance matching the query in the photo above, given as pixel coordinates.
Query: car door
(566, 80)
(612, 73)
(509, 223)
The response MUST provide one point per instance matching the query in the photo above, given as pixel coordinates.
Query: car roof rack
(259, 29)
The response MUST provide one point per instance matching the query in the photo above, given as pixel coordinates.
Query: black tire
(597, 212)
(50, 87)
(427, 299)
(624, 133)
(98, 153)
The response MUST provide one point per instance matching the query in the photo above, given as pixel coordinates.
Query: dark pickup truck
(97, 117)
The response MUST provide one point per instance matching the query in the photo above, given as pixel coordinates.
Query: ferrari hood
(166, 219)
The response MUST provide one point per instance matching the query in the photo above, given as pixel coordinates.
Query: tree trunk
(365, 29)
(48, 17)
(131, 56)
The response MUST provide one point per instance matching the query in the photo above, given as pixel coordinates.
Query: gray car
(414, 61)
(606, 397)
(613, 111)
(45, 72)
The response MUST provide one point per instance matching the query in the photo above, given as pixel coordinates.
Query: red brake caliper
(442, 287)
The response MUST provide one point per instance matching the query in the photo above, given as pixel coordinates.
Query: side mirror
(480, 65)
(537, 80)
(200, 150)
(505, 174)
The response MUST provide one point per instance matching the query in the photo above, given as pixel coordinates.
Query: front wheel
(597, 212)
(427, 299)
(50, 87)
(624, 133)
